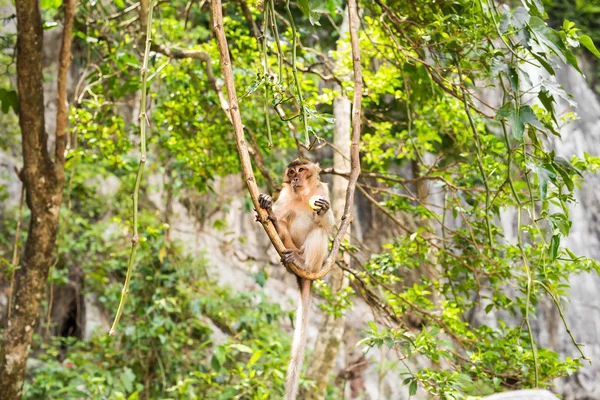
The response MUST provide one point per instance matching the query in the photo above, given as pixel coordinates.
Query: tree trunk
(332, 329)
(44, 181)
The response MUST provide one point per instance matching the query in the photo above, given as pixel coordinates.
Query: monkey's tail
(299, 341)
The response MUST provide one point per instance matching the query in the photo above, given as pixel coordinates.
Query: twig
(383, 210)
(249, 19)
(556, 301)
(266, 73)
(356, 127)
(479, 157)
(61, 91)
(295, 72)
(275, 31)
(15, 255)
(143, 124)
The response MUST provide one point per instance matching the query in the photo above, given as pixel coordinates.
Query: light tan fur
(306, 233)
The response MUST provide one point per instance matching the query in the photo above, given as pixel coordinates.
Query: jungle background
(471, 264)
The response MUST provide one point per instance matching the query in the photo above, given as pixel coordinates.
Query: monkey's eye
(301, 169)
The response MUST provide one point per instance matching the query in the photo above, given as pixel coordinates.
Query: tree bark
(44, 181)
(332, 328)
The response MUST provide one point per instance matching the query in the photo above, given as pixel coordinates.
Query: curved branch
(242, 145)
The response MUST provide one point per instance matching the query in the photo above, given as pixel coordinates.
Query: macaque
(303, 219)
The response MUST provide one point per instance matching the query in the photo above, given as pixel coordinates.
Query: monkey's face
(298, 176)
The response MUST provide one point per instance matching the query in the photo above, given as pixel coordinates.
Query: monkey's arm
(324, 216)
(266, 202)
(281, 225)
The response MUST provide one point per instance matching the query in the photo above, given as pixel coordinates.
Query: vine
(144, 122)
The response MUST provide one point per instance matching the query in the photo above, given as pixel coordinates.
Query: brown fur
(305, 234)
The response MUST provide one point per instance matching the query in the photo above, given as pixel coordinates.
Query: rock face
(523, 395)
(583, 310)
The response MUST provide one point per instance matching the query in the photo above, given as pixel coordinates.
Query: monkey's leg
(315, 249)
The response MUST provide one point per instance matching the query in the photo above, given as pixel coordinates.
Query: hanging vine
(144, 123)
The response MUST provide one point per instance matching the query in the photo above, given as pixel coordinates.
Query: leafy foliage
(444, 165)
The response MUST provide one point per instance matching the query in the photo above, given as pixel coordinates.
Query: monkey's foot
(265, 201)
(294, 257)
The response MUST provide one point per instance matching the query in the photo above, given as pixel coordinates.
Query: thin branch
(356, 127)
(250, 19)
(124, 11)
(259, 160)
(15, 255)
(295, 72)
(143, 124)
(384, 210)
(242, 146)
(62, 107)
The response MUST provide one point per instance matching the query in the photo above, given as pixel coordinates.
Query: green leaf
(215, 364)
(412, 389)
(242, 348)
(228, 393)
(505, 22)
(134, 396)
(518, 118)
(586, 41)
(47, 25)
(261, 278)
(128, 378)
(536, 6)
(305, 7)
(508, 112)
(565, 177)
(254, 359)
(8, 100)
(547, 99)
(520, 17)
(566, 165)
(545, 174)
(553, 248)
(331, 7)
(560, 222)
(527, 116)
(545, 63)
(120, 3)
(548, 37)
(513, 77)
(372, 326)
(50, 3)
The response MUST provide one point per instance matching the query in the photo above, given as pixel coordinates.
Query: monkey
(303, 219)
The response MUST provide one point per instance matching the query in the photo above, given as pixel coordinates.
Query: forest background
(471, 265)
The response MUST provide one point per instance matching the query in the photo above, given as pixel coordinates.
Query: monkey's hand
(292, 256)
(323, 205)
(265, 201)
